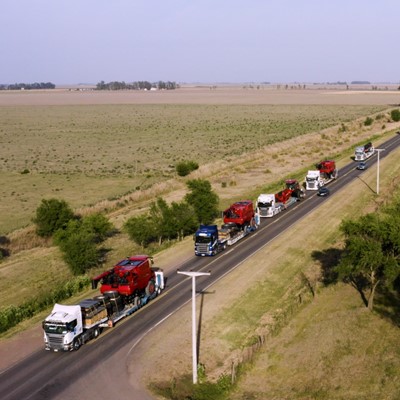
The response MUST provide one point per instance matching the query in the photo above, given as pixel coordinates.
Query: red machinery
(292, 189)
(130, 277)
(327, 169)
(240, 213)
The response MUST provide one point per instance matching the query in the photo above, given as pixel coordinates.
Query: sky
(199, 41)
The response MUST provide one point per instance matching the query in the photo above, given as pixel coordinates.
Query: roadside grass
(332, 349)
(315, 347)
(86, 154)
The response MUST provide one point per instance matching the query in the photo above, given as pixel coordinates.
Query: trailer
(68, 327)
(361, 153)
(239, 220)
(325, 172)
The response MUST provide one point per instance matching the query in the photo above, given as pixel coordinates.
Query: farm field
(88, 153)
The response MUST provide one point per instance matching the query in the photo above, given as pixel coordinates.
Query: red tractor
(131, 278)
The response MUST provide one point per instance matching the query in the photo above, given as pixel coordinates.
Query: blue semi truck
(239, 220)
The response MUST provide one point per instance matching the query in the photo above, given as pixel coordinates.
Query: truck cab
(63, 327)
(313, 180)
(207, 241)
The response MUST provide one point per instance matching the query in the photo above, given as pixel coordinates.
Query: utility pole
(194, 332)
(377, 172)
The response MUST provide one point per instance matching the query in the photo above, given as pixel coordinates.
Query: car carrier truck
(239, 220)
(68, 327)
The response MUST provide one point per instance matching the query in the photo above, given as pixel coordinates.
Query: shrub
(395, 115)
(368, 121)
(51, 216)
(80, 251)
(99, 225)
(141, 230)
(184, 168)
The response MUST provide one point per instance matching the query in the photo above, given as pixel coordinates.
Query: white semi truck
(326, 172)
(361, 153)
(267, 206)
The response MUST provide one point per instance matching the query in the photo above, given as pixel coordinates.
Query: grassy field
(85, 154)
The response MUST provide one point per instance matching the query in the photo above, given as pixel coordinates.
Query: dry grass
(88, 154)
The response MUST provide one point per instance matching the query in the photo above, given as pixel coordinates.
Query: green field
(85, 154)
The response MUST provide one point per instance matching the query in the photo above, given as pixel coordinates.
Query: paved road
(100, 368)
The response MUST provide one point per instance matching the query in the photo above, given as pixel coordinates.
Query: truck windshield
(59, 328)
(265, 204)
(203, 239)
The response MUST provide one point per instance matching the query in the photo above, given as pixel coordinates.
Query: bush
(51, 216)
(368, 121)
(80, 251)
(99, 225)
(141, 230)
(184, 168)
(395, 115)
(78, 241)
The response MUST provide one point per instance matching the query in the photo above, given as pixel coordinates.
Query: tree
(163, 220)
(185, 219)
(52, 215)
(141, 230)
(78, 245)
(98, 225)
(80, 251)
(372, 253)
(203, 200)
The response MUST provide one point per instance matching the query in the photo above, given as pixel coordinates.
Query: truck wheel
(76, 344)
(136, 301)
(150, 288)
(96, 333)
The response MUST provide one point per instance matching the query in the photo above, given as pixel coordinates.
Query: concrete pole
(377, 170)
(193, 275)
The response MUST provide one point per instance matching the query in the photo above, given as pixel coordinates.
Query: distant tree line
(28, 86)
(138, 85)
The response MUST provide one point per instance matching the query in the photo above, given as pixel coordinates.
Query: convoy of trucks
(125, 288)
(133, 282)
(325, 172)
(361, 153)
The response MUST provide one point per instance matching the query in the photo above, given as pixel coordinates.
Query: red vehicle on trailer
(130, 277)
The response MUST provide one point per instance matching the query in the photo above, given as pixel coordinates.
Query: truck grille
(55, 341)
(202, 248)
(263, 212)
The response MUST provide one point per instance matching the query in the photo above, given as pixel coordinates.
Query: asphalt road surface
(99, 370)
